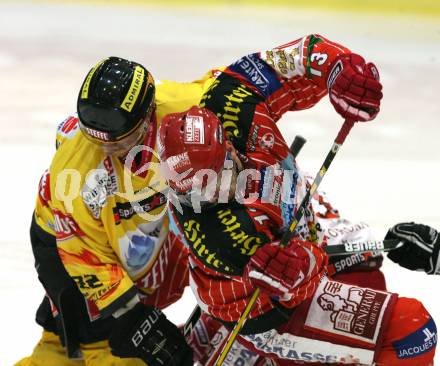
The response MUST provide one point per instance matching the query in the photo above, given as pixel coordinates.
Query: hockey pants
(50, 352)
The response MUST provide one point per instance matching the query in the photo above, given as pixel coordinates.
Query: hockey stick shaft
(191, 322)
(340, 138)
(297, 144)
(363, 247)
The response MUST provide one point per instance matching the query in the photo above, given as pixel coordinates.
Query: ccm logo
(334, 74)
(145, 327)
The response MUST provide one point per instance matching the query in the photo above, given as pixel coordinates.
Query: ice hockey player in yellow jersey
(99, 232)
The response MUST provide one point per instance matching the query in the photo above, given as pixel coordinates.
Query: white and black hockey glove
(420, 251)
(146, 333)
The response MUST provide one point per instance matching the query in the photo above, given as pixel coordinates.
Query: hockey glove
(146, 333)
(421, 248)
(290, 273)
(354, 88)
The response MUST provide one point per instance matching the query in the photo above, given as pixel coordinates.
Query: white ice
(386, 172)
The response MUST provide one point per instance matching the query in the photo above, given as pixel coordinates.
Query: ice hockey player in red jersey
(236, 187)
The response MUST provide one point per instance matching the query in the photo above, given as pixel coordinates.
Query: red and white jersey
(249, 97)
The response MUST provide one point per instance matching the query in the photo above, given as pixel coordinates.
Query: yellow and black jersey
(109, 222)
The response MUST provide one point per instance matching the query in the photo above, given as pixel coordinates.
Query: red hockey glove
(287, 272)
(354, 88)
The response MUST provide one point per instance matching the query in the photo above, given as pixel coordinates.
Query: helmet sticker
(85, 88)
(135, 88)
(179, 161)
(194, 130)
(97, 134)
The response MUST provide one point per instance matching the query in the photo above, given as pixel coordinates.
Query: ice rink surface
(386, 172)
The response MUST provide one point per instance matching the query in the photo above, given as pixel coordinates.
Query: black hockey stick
(191, 321)
(297, 144)
(353, 254)
(340, 138)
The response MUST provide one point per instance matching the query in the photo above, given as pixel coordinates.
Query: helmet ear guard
(115, 98)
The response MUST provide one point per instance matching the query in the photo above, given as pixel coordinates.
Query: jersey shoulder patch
(67, 129)
(257, 72)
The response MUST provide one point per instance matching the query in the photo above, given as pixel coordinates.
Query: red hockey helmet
(188, 142)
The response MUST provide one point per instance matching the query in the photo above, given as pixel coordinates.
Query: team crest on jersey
(267, 141)
(140, 249)
(140, 246)
(100, 184)
(156, 273)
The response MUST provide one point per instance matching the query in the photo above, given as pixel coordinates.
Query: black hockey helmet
(115, 98)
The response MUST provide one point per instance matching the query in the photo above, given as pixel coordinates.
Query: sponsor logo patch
(179, 161)
(68, 127)
(285, 346)
(334, 74)
(234, 105)
(258, 72)
(253, 137)
(365, 246)
(348, 310)
(86, 85)
(126, 210)
(135, 88)
(104, 136)
(421, 341)
(194, 130)
(286, 60)
(65, 226)
(44, 188)
(100, 184)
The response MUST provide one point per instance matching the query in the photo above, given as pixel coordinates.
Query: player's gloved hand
(354, 88)
(287, 273)
(421, 249)
(146, 333)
